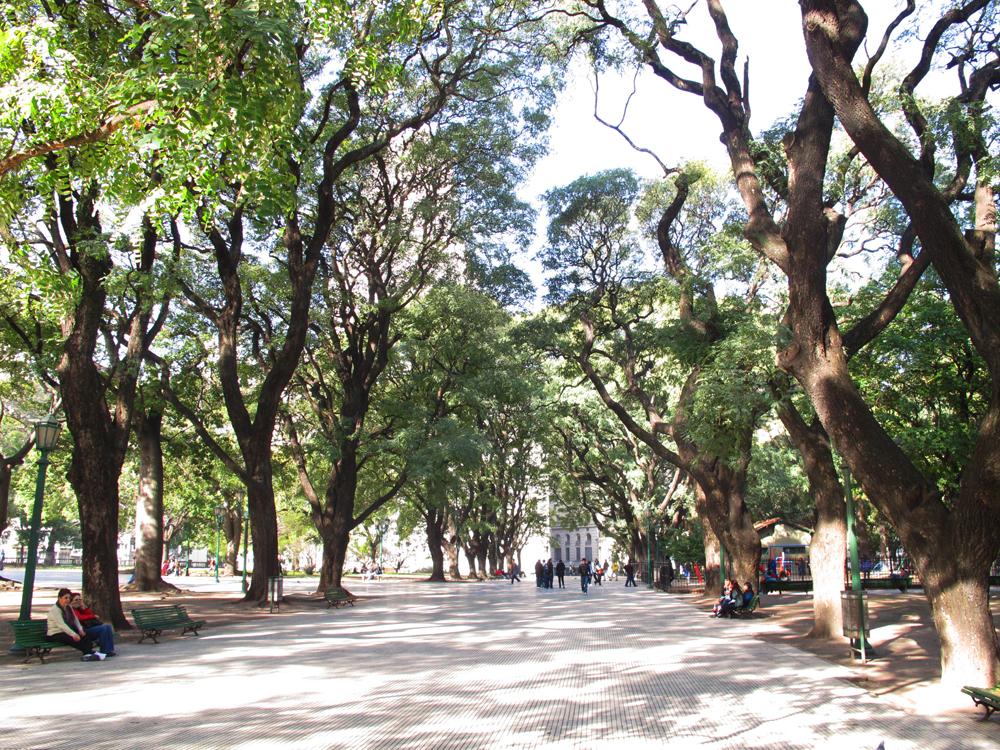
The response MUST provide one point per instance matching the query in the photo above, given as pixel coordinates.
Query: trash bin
(275, 590)
(854, 615)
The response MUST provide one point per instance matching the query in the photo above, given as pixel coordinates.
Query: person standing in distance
(584, 574)
(560, 572)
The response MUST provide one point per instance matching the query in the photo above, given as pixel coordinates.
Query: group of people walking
(549, 575)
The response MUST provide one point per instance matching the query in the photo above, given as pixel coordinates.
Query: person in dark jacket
(560, 572)
(549, 571)
(539, 573)
(584, 574)
(629, 574)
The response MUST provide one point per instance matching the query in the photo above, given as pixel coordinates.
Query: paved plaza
(487, 665)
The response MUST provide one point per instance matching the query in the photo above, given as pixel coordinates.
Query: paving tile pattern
(463, 667)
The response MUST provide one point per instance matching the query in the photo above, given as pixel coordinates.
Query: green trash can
(854, 615)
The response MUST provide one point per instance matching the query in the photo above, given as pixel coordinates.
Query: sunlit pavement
(468, 666)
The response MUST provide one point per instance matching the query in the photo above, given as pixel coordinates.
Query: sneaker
(91, 657)
(111, 654)
(100, 656)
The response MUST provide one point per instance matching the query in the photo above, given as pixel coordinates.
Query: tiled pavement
(464, 666)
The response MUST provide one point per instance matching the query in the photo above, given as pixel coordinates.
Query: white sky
(674, 124)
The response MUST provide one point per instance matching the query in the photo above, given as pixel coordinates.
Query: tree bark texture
(829, 542)
(149, 543)
(435, 543)
(712, 574)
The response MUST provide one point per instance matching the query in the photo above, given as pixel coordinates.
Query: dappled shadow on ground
(903, 636)
(463, 667)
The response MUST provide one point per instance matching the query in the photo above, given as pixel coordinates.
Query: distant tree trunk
(6, 473)
(861, 526)
(149, 541)
(49, 560)
(471, 559)
(450, 544)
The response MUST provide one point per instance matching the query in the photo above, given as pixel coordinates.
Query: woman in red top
(92, 626)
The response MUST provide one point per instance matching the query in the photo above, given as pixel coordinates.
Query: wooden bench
(155, 619)
(337, 596)
(31, 635)
(988, 698)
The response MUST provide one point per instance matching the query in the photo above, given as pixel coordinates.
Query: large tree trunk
(723, 505)
(149, 542)
(952, 545)
(435, 543)
(829, 541)
(263, 525)
(712, 574)
(100, 434)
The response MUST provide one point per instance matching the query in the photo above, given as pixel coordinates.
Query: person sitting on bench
(730, 594)
(92, 626)
(736, 602)
(63, 627)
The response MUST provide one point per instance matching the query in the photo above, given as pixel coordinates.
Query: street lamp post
(218, 533)
(46, 435)
(240, 497)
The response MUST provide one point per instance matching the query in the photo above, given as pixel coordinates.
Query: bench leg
(150, 633)
(32, 651)
(989, 710)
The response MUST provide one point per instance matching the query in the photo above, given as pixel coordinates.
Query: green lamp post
(46, 435)
(245, 511)
(218, 533)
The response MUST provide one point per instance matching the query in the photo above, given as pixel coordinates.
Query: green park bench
(749, 607)
(770, 587)
(155, 619)
(337, 596)
(31, 635)
(988, 698)
(871, 584)
(899, 582)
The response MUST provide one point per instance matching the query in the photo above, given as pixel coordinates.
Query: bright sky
(676, 125)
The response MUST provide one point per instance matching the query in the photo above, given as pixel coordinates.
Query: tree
(399, 68)
(701, 360)
(953, 540)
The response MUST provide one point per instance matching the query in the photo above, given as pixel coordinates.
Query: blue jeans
(584, 582)
(105, 637)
